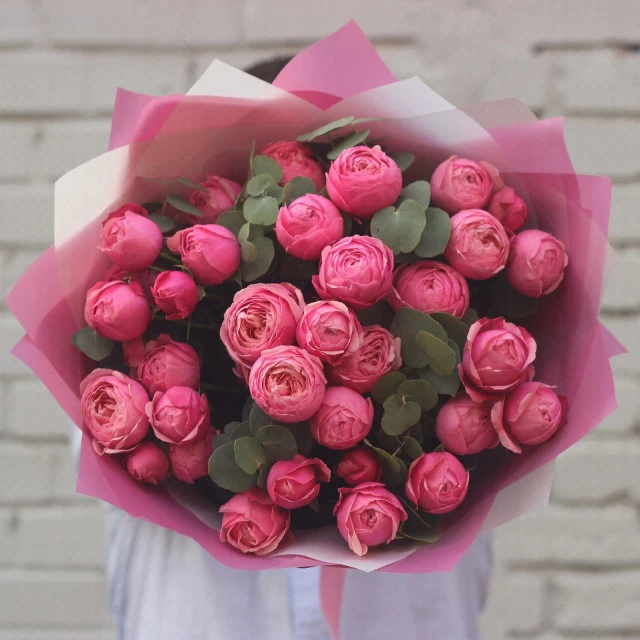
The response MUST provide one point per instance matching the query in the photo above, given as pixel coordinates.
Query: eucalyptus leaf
(352, 140)
(192, 184)
(301, 432)
(416, 527)
(400, 229)
(263, 210)
(403, 159)
(455, 329)
(470, 317)
(183, 205)
(436, 234)
(394, 470)
(265, 164)
(406, 325)
(253, 270)
(412, 448)
(278, 442)
(164, 223)
(325, 129)
(250, 232)
(440, 356)
(92, 344)
(258, 418)
(230, 427)
(248, 251)
(232, 220)
(226, 473)
(445, 385)
(221, 439)
(151, 207)
(249, 454)
(420, 191)
(387, 386)
(298, 187)
(399, 415)
(240, 430)
(419, 391)
(259, 184)
(263, 474)
(380, 313)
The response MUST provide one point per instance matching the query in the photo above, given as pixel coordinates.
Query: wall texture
(570, 571)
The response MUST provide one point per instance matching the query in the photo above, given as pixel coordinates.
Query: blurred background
(569, 571)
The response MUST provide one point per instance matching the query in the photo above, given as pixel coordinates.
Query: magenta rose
(306, 226)
(253, 524)
(113, 411)
(287, 383)
(537, 263)
(220, 197)
(363, 180)
(292, 484)
(437, 482)
(117, 310)
(359, 465)
(368, 515)
(531, 414)
(343, 419)
(191, 461)
(509, 208)
(430, 287)
(148, 463)
(497, 357)
(377, 355)
(179, 415)
(458, 184)
(261, 316)
(357, 270)
(175, 293)
(464, 426)
(295, 159)
(211, 252)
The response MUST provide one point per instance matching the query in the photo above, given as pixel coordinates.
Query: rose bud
(191, 461)
(220, 197)
(536, 264)
(464, 426)
(292, 484)
(211, 252)
(261, 316)
(306, 226)
(531, 414)
(478, 246)
(130, 239)
(509, 208)
(328, 330)
(368, 515)
(295, 159)
(287, 383)
(179, 415)
(113, 411)
(377, 355)
(497, 357)
(134, 352)
(117, 310)
(148, 463)
(430, 287)
(363, 180)
(458, 184)
(357, 270)
(252, 523)
(343, 420)
(359, 465)
(437, 482)
(175, 293)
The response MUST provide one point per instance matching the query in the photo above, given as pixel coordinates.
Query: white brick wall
(571, 571)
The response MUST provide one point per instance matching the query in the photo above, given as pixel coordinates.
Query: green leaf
(455, 329)
(399, 415)
(436, 234)
(400, 228)
(258, 419)
(263, 474)
(301, 432)
(226, 473)
(164, 223)
(249, 232)
(278, 442)
(420, 191)
(232, 220)
(418, 527)
(470, 317)
(265, 164)
(248, 251)
(406, 325)
(387, 385)
(298, 187)
(230, 427)
(403, 159)
(192, 184)
(240, 430)
(221, 439)
(419, 391)
(258, 184)
(352, 140)
(412, 448)
(263, 210)
(394, 470)
(249, 454)
(92, 344)
(380, 313)
(445, 385)
(325, 129)
(186, 207)
(440, 356)
(253, 270)
(151, 207)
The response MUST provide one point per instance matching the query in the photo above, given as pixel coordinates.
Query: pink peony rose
(343, 419)
(359, 465)
(253, 524)
(537, 263)
(191, 461)
(357, 270)
(220, 197)
(437, 482)
(363, 180)
(478, 246)
(509, 208)
(113, 411)
(497, 357)
(458, 184)
(209, 251)
(430, 287)
(292, 484)
(148, 463)
(306, 226)
(287, 383)
(175, 293)
(368, 515)
(295, 159)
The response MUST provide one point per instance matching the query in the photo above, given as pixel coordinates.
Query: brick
(10, 333)
(622, 292)
(17, 23)
(625, 225)
(35, 634)
(13, 266)
(623, 420)
(18, 137)
(25, 474)
(8, 536)
(627, 330)
(26, 215)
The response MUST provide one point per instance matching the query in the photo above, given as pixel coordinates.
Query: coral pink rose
(253, 524)
(357, 270)
(459, 184)
(292, 484)
(437, 482)
(295, 159)
(478, 246)
(113, 411)
(368, 515)
(509, 208)
(287, 383)
(191, 461)
(175, 293)
(359, 465)
(220, 197)
(148, 463)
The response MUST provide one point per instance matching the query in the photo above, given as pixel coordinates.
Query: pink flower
(296, 483)
(537, 263)
(478, 246)
(287, 383)
(295, 159)
(430, 287)
(117, 310)
(328, 330)
(343, 419)
(531, 414)
(209, 251)
(130, 239)
(368, 515)
(464, 426)
(191, 461)
(252, 523)
(437, 482)
(359, 465)
(377, 355)
(179, 415)
(363, 180)
(175, 293)
(509, 208)
(458, 184)
(497, 357)
(306, 226)
(148, 463)
(113, 411)
(357, 270)
(261, 316)
(220, 197)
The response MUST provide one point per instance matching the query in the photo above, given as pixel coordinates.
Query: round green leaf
(92, 344)
(225, 472)
(239, 430)
(380, 313)
(249, 251)
(263, 210)
(253, 270)
(183, 205)
(298, 187)
(301, 432)
(325, 129)
(436, 234)
(412, 448)
(278, 442)
(419, 391)
(259, 184)
(192, 184)
(258, 418)
(232, 220)
(418, 527)
(399, 415)
(403, 159)
(394, 470)
(420, 191)
(406, 325)
(440, 356)
(400, 228)
(387, 386)
(352, 140)
(265, 164)
(249, 454)
(445, 385)
(455, 329)
(164, 223)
